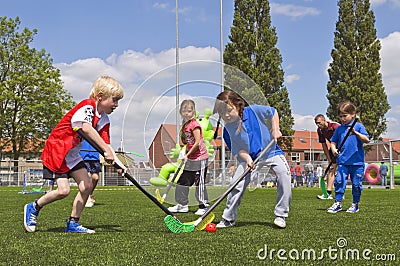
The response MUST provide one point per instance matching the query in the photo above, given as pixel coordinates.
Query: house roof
(170, 129)
(30, 146)
(301, 140)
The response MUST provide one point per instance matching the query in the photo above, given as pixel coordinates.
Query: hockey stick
(130, 178)
(123, 152)
(217, 127)
(176, 176)
(322, 179)
(200, 223)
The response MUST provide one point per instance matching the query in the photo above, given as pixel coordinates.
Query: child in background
(350, 159)
(91, 158)
(61, 159)
(246, 134)
(195, 159)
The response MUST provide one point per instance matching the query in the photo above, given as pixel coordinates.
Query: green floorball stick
(322, 179)
(130, 178)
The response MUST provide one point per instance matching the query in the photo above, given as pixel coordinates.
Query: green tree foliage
(252, 49)
(32, 99)
(354, 70)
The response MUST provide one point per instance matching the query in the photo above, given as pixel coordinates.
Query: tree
(32, 99)
(252, 49)
(354, 70)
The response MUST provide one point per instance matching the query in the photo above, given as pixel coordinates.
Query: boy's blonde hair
(107, 87)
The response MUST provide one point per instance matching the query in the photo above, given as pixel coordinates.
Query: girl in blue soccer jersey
(247, 131)
(350, 158)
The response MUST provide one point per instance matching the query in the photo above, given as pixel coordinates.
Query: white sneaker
(89, 203)
(336, 207)
(224, 223)
(280, 221)
(323, 197)
(179, 208)
(200, 212)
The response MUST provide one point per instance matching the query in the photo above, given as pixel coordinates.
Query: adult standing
(383, 171)
(325, 132)
(309, 171)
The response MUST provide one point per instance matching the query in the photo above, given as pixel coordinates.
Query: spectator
(299, 176)
(383, 171)
(309, 173)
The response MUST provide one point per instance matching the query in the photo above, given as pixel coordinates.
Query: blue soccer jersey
(254, 135)
(352, 151)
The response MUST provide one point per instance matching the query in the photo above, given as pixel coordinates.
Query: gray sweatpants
(279, 165)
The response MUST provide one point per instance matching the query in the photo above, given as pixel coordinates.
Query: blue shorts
(48, 174)
(93, 167)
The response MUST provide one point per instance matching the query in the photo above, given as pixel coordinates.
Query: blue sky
(134, 40)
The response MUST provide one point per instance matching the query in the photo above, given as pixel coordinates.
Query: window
(294, 156)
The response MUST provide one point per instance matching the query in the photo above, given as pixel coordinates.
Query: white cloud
(292, 78)
(161, 5)
(393, 131)
(302, 122)
(390, 63)
(293, 11)
(147, 103)
(185, 11)
(395, 110)
(394, 3)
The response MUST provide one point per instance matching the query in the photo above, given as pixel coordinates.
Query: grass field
(130, 231)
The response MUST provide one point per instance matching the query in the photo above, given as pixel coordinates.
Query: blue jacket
(255, 134)
(352, 151)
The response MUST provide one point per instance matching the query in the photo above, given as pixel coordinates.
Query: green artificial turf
(130, 231)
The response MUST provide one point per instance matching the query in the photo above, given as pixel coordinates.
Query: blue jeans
(383, 179)
(310, 181)
(356, 173)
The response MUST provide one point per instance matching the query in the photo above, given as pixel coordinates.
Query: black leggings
(187, 179)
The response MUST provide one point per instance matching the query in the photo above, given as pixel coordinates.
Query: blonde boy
(61, 159)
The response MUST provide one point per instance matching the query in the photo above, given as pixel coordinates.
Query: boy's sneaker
(179, 208)
(280, 221)
(336, 207)
(353, 208)
(74, 227)
(324, 198)
(224, 223)
(30, 216)
(200, 212)
(89, 203)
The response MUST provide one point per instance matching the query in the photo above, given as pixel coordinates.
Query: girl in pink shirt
(195, 159)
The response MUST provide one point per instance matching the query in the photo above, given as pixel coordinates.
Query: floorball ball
(211, 228)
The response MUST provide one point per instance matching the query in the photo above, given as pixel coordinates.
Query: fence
(216, 176)
(12, 173)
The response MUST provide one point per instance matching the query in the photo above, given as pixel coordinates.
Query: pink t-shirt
(201, 152)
